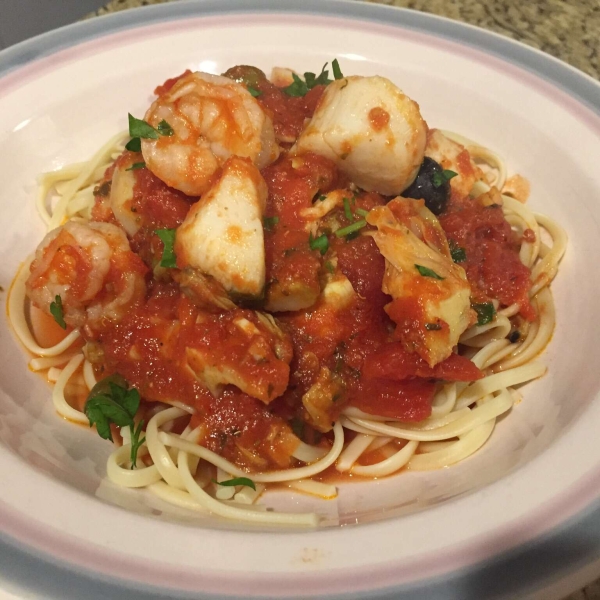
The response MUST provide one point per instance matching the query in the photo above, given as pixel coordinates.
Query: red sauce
(493, 266)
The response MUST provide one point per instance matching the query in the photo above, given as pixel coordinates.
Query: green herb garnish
(335, 67)
(138, 128)
(426, 272)
(56, 310)
(457, 253)
(329, 266)
(136, 166)
(300, 88)
(111, 401)
(320, 243)
(165, 129)
(322, 197)
(270, 222)
(134, 145)
(253, 91)
(485, 312)
(362, 212)
(236, 481)
(439, 179)
(351, 229)
(347, 210)
(167, 236)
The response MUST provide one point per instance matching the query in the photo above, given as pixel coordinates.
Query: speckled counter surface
(566, 29)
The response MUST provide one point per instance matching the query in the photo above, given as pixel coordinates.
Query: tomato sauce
(492, 264)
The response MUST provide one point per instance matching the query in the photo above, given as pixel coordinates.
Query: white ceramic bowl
(442, 534)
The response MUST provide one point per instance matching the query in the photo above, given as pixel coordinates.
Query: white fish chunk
(222, 235)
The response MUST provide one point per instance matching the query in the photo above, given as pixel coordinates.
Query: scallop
(372, 131)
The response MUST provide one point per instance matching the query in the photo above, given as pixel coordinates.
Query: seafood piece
(454, 157)
(431, 296)
(93, 270)
(121, 197)
(319, 401)
(244, 349)
(213, 118)
(372, 131)
(222, 235)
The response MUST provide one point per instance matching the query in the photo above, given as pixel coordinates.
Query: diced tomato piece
(391, 361)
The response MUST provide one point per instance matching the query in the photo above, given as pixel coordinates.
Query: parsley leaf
(427, 272)
(165, 129)
(485, 312)
(134, 145)
(56, 310)
(457, 253)
(111, 400)
(138, 128)
(167, 236)
(296, 89)
(253, 91)
(136, 442)
(237, 481)
(136, 166)
(321, 243)
(300, 88)
(439, 179)
(362, 212)
(269, 223)
(329, 266)
(335, 67)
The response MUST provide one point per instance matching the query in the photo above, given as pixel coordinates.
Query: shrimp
(213, 118)
(93, 270)
(371, 130)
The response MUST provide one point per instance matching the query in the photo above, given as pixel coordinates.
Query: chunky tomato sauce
(253, 379)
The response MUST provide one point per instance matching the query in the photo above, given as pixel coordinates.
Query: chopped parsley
(111, 401)
(134, 145)
(138, 129)
(253, 91)
(457, 253)
(485, 312)
(329, 266)
(322, 197)
(351, 229)
(165, 129)
(362, 212)
(300, 87)
(136, 166)
(320, 243)
(335, 67)
(269, 223)
(167, 236)
(236, 481)
(56, 310)
(427, 272)
(439, 179)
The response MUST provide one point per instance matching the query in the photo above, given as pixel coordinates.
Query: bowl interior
(66, 106)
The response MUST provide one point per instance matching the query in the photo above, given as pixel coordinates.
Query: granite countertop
(566, 29)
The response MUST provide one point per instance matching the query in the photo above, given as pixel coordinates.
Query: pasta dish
(274, 280)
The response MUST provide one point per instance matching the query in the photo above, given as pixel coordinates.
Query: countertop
(566, 29)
